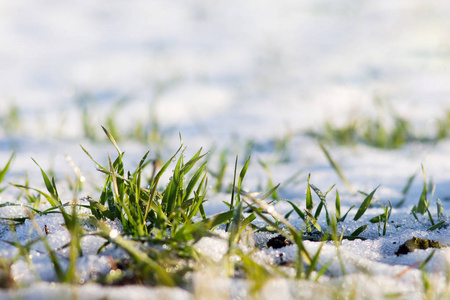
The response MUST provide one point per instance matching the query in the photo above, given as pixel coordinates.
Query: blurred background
(217, 68)
(218, 72)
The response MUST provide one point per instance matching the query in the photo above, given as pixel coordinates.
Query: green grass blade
(337, 169)
(190, 164)
(297, 236)
(318, 192)
(247, 221)
(423, 202)
(234, 185)
(113, 141)
(364, 205)
(358, 231)
(270, 183)
(437, 226)
(270, 192)
(241, 176)
(309, 200)
(49, 186)
(297, 210)
(195, 178)
(49, 198)
(430, 217)
(322, 270)
(338, 205)
(235, 225)
(199, 198)
(238, 188)
(427, 259)
(6, 168)
(221, 173)
(313, 220)
(137, 255)
(95, 162)
(219, 219)
(345, 215)
(155, 182)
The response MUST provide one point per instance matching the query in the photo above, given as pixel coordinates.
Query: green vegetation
(143, 131)
(161, 222)
(10, 120)
(388, 131)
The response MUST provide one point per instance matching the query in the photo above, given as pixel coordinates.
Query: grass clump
(148, 211)
(388, 131)
(141, 131)
(370, 132)
(313, 230)
(424, 203)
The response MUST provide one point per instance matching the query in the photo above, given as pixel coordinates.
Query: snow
(223, 74)
(45, 290)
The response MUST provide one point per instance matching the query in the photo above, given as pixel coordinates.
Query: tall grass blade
(337, 169)
(338, 205)
(113, 141)
(90, 156)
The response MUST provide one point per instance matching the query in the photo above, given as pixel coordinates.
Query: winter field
(296, 149)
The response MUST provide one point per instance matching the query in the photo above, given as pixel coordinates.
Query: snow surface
(222, 73)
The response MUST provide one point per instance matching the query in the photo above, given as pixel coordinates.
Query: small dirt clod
(278, 241)
(417, 243)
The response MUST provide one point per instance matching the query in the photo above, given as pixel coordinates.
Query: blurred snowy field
(248, 68)
(223, 73)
